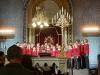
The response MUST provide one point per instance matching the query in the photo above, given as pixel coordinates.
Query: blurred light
(6, 31)
(39, 23)
(33, 24)
(41, 26)
(91, 29)
(46, 24)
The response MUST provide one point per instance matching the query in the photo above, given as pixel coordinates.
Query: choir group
(76, 53)
(35, 50)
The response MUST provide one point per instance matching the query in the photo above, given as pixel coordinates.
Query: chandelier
(40, 19)
(62, 19)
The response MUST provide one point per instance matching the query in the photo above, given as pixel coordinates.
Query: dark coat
(15, 69)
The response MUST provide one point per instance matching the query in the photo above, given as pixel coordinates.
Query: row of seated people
(48, 69)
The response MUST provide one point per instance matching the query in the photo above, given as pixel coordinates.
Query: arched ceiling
(31, 4)
(60, 3)
(51, 6)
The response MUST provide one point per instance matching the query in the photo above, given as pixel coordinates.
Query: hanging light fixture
(40, 19)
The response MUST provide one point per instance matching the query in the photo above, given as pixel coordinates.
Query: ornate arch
(30, 10)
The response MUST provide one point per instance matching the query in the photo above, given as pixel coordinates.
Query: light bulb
(39, 23)
(41, 26)
(46, 24)
(33, 24)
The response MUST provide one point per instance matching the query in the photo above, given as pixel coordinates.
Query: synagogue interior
(62, 37)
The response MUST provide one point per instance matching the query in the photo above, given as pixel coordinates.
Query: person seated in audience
(59, 72)
(54, 69)
(46, 69)
(38, 68)
(2, 59)
(14, 67)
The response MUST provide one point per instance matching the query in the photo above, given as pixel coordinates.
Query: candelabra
(62, 19)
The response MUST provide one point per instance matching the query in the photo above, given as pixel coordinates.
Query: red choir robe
(69, 53)
(48, 49)
(58, 51)
(82, 49)
(79, 47)
(76, 52)
(34, 52)
(53, 51)
(29, 51)
(24, 51)
(86, 49)
(37, 51)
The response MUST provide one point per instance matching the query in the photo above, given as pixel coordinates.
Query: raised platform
(60, 62)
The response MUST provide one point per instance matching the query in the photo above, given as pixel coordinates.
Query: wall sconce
(91, 30)
(7, 31)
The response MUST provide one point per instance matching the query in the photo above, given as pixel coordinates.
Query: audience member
(38, 68)
(54, 69)
(59, 72)
(14, 67)
(2, 59)
(46, 69)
